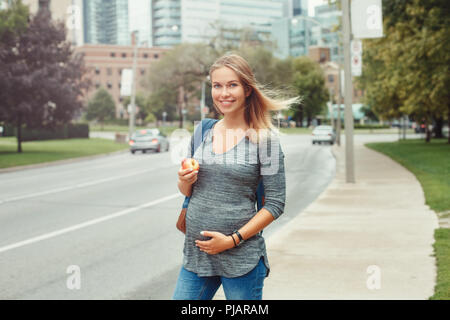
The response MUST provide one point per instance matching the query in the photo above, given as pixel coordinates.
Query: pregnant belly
(223, 220)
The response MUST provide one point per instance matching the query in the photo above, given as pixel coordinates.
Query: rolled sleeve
(273, 177)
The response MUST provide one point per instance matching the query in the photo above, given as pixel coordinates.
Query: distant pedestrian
(223, 243)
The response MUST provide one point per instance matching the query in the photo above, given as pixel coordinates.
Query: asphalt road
(112, 220)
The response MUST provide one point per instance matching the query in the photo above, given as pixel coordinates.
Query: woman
(223, 243)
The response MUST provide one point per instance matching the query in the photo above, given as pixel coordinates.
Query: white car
(148, 139)
(323, 134)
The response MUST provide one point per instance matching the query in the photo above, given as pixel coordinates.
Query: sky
(312, 4)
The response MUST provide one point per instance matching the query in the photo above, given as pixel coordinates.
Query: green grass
(442, 253)
(429, 162)
(34, 152)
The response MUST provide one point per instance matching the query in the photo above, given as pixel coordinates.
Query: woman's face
(227, 91)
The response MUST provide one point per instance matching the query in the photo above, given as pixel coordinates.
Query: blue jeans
(247, 287)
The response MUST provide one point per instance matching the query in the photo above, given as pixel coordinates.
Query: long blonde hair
(259, 104)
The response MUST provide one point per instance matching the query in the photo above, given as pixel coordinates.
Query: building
(105, 64)
(322, 56)
(140, 19)
(166, 23)
(106, 22)
(327, 34)
(67, 11)
(180, 21)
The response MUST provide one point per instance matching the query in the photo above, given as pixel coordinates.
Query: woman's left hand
(218, 242)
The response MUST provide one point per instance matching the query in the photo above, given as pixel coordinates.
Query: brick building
(106, 62)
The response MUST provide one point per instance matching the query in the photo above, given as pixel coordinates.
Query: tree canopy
(41, 79)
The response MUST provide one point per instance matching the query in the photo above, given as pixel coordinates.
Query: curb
(60, 162)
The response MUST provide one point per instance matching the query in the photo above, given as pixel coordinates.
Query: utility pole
(349, 157)
(133, 86)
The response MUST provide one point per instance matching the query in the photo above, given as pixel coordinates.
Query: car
(325, 134)
(148, 140)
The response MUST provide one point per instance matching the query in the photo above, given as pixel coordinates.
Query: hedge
(66, 131)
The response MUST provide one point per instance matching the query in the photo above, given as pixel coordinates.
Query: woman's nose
(224, 91)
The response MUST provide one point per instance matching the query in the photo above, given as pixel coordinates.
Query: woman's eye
(216, 86)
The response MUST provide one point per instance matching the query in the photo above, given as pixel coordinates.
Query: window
(145, 55)
(113, 55)
(155, 56)
(109, 85)
(109, 71)
(120, 71)
(124, 55)
(142, 72)
(330, 78)
(97, 70)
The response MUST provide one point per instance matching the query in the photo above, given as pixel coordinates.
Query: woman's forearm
(261, 220)
(185, 188)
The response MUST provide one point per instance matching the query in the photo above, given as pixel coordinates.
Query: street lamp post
(133, 87)
(349, 163)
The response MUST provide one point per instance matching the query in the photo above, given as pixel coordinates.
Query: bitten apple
(190, 163)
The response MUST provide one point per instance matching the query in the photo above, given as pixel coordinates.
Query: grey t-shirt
(223, 200)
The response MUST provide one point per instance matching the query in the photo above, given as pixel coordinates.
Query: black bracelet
(231, 235)
(239, 236)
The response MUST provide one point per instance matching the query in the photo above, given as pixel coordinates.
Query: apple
(190, 163)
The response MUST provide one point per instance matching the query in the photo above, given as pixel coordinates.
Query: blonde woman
(223, 242)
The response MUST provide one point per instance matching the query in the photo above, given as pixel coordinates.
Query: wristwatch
(241, 240)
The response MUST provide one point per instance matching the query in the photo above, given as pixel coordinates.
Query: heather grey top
(223, 199)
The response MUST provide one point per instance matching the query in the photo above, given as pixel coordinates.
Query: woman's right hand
(187, 176)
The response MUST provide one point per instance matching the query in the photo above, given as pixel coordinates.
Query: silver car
(148, 139)
(323, 134)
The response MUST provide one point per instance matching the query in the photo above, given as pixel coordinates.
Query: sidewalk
(380, 221)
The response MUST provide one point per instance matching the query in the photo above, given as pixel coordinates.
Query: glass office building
(140, 19)
(176, 21)
(328, 16)
(106, 22)
(166, 22)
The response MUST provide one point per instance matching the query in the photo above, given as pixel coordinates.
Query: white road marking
(86, 224)
(79, 185)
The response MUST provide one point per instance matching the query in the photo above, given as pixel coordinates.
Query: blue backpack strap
(199, 136)
(260, 195)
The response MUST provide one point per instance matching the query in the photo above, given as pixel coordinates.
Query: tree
(309, 83)
(142, 102)
(179, 73)
(40, 77)
(407, 72)
(101, 107)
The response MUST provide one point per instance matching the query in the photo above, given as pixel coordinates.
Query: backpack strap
(199, 136)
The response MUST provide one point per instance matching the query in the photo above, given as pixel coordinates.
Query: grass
(442, 253)
(429, 162)
(34, 152)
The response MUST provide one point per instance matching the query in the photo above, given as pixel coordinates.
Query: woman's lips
(227, 102)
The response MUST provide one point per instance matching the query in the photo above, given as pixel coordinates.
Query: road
(113, 218)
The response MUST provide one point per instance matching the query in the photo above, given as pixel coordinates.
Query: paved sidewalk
(380, 221)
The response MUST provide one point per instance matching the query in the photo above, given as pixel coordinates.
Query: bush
(66, 131)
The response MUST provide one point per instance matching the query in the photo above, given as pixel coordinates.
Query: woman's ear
(248, 91)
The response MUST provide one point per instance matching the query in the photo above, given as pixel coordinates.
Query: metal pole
(338, 130)
(330, 90)
(349, 158)
(133, 87)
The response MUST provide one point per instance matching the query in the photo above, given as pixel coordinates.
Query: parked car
(148, 139)
(323, 134)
